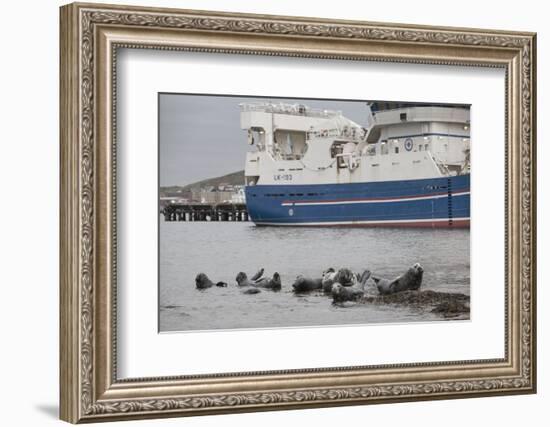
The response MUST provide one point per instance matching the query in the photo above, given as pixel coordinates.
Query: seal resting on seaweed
(346, 293)
(306, 284)
(410, 281)
(202, 281)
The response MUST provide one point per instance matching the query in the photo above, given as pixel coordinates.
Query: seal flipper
(258, 274)
(364, 277)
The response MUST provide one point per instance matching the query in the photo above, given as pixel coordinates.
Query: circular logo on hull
(291, 212)
(408, 144)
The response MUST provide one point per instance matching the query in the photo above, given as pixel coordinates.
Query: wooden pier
(205, 212)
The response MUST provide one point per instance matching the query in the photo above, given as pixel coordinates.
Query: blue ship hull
(437, 202)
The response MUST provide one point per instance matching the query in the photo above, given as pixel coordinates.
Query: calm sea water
(222, 249)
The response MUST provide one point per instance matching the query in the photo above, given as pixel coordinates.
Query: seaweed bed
(442, 303)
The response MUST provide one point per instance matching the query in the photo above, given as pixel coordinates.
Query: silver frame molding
(90, 37)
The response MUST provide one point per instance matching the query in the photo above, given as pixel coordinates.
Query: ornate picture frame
(90, 37)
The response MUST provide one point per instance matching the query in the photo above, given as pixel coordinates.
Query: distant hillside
(235, 178)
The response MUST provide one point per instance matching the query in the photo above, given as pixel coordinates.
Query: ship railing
(289, 156)
(291, 109)
(351, 134)
(323, 133)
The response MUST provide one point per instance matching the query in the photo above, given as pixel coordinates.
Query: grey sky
(200, 135)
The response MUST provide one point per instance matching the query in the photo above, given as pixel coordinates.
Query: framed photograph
(267, 212)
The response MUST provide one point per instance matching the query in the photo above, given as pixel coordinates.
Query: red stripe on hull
(378, 199)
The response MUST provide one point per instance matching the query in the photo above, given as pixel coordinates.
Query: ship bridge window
(396, 150)
(373, 135)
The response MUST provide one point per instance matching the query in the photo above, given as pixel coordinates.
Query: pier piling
(235, 212)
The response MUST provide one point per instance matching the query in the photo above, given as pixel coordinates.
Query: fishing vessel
(407, 166)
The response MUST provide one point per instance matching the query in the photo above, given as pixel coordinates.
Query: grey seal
(306, 284)
(345, 277)
(328, 279)
(273, 283)
(242, 280)
(342, 293)
(410, 281)
(202, 281)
